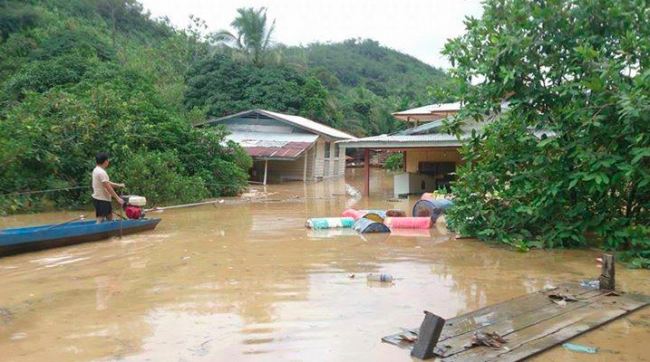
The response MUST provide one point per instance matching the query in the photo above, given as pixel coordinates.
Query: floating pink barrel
(408, 222)
(355, 214)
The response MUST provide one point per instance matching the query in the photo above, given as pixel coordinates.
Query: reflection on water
(248, 282)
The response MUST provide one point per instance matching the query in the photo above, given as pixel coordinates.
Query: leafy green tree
(252, 39)
(567, 162)
(224, 86)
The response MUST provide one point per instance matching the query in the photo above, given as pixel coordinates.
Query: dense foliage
(368, 81)
(567, 162)
(354, 85)
(225, 86)
(76, 78)
(394, 162)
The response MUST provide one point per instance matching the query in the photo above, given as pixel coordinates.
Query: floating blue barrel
(431, 208)
(364, 226)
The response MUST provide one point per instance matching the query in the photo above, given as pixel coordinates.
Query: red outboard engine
(133, 206)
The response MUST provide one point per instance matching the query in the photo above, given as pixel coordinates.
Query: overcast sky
(416, 27)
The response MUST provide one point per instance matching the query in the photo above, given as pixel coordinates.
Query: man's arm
(109, 187)
(113, 184)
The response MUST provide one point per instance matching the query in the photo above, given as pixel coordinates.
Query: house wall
(414, 157)
(319, 167)
(330, 165)
(279, 171)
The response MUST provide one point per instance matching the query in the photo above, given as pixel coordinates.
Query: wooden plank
(539, 337)
(497, 312)
(506, 326)
(507, 309)
(460, 343)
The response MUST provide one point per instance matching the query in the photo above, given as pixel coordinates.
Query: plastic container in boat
(364, 225)
(330, 223)
(135, 200)
(408, 222)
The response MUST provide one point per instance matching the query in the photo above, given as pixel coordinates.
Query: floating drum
(374, 215)
(408, 222)
(395, 213)
(353, 213)
(330, 223)
(364, 225)
(431, 208)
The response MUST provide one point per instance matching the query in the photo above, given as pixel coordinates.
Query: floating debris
(385, 278)
(579, 348)
(490, 339)
(590, 284)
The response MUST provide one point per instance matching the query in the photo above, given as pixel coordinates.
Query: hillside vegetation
(83, 76)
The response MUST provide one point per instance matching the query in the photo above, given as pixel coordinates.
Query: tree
(567, 162)
(253, 38)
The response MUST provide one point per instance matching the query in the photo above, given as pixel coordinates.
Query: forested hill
(365, 63)
(354, 85)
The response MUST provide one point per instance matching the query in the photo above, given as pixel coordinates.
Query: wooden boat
(18, 240)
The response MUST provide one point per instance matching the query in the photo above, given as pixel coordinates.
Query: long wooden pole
(266, 169)
(366, 171)
(304, 171)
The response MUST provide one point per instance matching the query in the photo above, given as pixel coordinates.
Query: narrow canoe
(18, 240)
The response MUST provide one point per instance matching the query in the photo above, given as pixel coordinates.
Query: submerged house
(286, 147)
(430, 155)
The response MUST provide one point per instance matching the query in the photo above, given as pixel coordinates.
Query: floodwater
(247, 281)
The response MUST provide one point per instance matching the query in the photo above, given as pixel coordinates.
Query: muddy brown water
(242, 281)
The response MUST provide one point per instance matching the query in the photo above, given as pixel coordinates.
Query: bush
(567, 163)
(160, 176)
(53, 136)
(395, 162)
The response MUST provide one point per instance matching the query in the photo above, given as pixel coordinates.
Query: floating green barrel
(330, 223)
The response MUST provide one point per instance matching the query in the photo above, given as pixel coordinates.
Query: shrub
(566, 163)
(394, 162)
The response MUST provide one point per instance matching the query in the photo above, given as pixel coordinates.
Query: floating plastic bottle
(385, 278)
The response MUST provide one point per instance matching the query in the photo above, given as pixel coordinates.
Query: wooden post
(404, 160)
(428, 337)
(304, 171)
(266, 169)
(366, 171)
(607, 279)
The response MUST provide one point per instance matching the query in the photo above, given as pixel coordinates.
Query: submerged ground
(241, 281)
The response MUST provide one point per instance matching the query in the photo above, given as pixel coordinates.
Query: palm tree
(253, 37)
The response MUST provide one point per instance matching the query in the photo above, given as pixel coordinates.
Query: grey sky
(416, 27)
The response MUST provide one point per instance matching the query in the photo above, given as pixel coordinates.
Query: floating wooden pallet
(530, 324)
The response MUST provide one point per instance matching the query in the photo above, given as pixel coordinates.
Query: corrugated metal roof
(424, 128)
(431, 108)
(287, 146)
(404, 141)
(297, 121)
(311, 125)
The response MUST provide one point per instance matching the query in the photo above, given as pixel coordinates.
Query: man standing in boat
(103, 189)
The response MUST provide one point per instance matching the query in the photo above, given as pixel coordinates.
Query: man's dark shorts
(102, 208)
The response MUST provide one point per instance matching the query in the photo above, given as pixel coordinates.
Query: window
(327, 150)
(336, 151)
